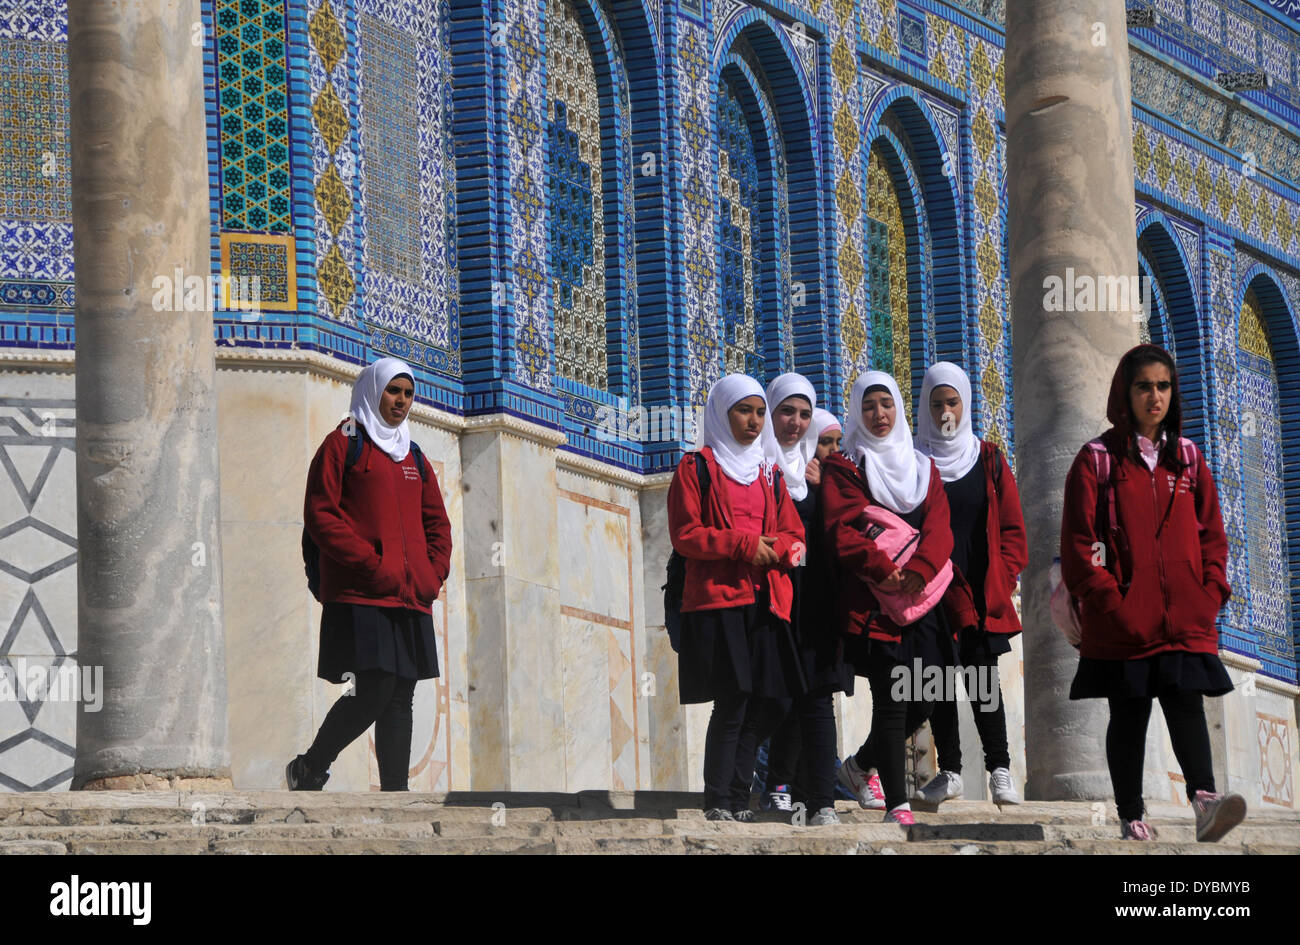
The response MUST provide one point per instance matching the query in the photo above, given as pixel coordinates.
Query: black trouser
(809, 722)
(1126, 739)
(762, 717)
(990, 722)
(380, 699)
(891, 724)
(783, 754)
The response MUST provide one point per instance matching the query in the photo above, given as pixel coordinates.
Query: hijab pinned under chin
(897, 473)
(955, 451)
(792, 459)
(741, 463)
(366, 394)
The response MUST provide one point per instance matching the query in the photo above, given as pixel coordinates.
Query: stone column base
(156, 781)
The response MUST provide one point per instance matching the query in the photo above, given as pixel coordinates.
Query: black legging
(762, 717)
(891, 724)
(380, 699)
(812, 719)
(783, 755)
(991, 724)
(1126, 739)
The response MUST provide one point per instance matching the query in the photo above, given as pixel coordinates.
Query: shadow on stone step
(603, 805)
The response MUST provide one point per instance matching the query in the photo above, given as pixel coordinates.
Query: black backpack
(676, 571)
(310, 550)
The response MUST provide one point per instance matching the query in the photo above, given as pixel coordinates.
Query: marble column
(149, 567)
(1070, 207)
(512, 603)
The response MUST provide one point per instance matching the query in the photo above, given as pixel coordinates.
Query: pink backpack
(1064, 606)
(897, 539)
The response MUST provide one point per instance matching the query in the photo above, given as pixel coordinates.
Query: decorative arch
(1183, 328)
(757, 42)
(749, 234)
(1267, 343)
(592, 266)
(1155, 328)
(934, 169)
(894, 248)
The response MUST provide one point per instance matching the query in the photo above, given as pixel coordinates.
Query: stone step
(590, 822)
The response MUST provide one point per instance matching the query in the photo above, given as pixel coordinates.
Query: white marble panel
(586, 705)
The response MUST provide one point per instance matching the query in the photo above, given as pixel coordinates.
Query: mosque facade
(570, 217)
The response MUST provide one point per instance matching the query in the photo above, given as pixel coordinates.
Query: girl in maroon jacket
(880, 466)
(385, 550)
(989, 548)
(739, 545)
(1146, 557)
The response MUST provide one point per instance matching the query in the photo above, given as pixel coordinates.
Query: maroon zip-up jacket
(1173, 551)
(844, 495)
(1008, 548)
(717, 555)
(383, 533)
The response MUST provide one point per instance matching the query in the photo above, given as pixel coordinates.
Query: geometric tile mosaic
(333, 164)
(268, 258)
(1261, 452)
(254, 115)
(407, 218)
(38, 592)
(740, 262)
(574, 191)
(45, 20)
(390, 135)
(34, 151)
(887, 276)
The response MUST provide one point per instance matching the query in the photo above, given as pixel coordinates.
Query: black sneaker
(301, 778)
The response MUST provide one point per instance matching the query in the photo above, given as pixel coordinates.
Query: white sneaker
(944, 786)
(825, 817)
(1216, 814)
(1001, 788)
(866, 788)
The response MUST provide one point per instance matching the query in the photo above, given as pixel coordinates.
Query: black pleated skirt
(1150, 678)
(734, 650)
(357, 637)
(928, 639)
(820, 646)
(981, 648)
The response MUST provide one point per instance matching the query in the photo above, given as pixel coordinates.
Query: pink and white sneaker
(1216, 814)
(901, 815)
(866, 788)
(877, 792)
(1137, 830)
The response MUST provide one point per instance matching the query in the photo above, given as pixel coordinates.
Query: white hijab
(369, 387)
(954, 454)
(792, 459)
(823, 420)
(741, 463)
(898, 475)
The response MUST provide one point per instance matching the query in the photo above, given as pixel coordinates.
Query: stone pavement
(588, 822)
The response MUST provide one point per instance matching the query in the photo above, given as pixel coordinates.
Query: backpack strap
(1191, 459)
(997, 471)
(354, 448)
(1101, 462)
(419, 460)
